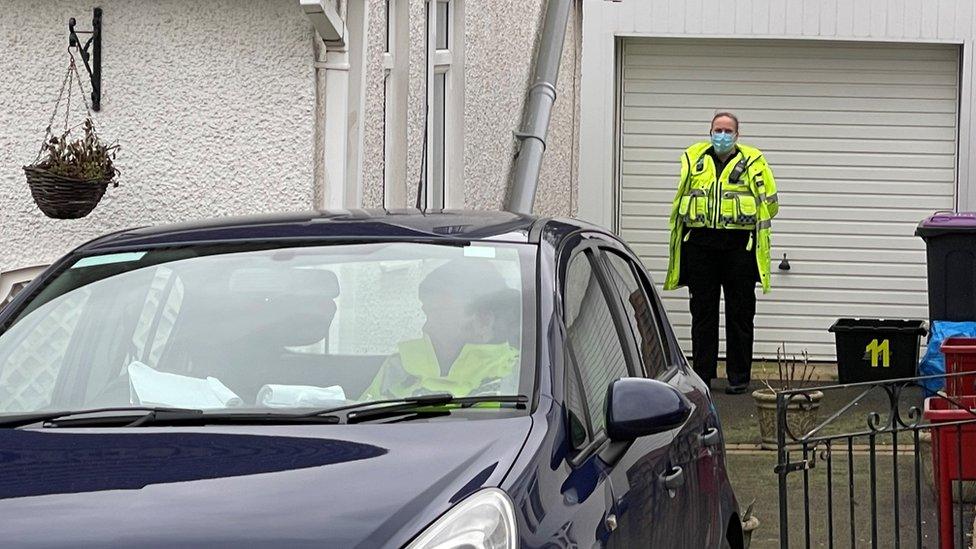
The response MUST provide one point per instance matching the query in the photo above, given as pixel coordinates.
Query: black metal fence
(886, 467)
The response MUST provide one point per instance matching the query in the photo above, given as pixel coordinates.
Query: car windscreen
(269, 327)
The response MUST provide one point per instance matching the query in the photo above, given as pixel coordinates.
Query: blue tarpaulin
(933, 363)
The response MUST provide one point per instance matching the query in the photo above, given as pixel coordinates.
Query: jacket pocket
(693, 207)
(739, 209)
(748, 210)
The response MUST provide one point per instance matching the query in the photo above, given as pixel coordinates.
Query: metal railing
(880, 426)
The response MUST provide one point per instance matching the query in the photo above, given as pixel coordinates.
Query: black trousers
(709, 271)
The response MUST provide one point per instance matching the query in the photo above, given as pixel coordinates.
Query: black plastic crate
(870, 349)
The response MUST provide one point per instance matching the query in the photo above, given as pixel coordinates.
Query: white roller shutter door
(861, 138)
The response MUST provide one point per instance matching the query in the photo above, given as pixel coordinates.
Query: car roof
(408, 224)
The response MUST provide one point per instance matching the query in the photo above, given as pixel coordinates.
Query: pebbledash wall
(499, 42)
(214, 104)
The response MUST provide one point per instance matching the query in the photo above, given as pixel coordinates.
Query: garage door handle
(674, 479)
(710, 437)
(785, 264)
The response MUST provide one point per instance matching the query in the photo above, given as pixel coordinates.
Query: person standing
(720, 242)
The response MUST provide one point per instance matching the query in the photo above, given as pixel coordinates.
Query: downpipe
(541, 96)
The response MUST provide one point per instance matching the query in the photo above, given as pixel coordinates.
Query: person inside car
(470, 338)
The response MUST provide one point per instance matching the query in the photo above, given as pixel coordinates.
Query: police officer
(470, 342)
(720, 230)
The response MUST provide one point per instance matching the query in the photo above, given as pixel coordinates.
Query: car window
(158, 316)
(147, 316)
(639, 314)
(379, 306)
(593, 337)
(579, 425)
(265, 326)
(29, 373)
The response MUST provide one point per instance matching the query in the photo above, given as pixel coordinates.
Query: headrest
(270, 281)
(467, 279)
(272, 307)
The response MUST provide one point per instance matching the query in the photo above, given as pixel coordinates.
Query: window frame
(672, 351)
(440, 62)
(667, 371)
(449, 64)
(596, 435)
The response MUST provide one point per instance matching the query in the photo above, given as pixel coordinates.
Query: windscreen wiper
(136, 416)
(121, 415)
(353, 413)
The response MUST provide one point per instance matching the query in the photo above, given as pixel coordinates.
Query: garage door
(861, 138)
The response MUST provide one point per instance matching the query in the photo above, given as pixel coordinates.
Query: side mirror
(639, 407)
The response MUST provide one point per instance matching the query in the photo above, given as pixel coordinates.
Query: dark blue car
(355, 379)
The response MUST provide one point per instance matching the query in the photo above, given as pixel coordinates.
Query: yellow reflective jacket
(415, 370)
(742, 197)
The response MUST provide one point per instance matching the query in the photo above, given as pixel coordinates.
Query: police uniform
(486, 368)
(720, 242)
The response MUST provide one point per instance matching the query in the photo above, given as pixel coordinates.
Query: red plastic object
(946, 457)
(960, 356)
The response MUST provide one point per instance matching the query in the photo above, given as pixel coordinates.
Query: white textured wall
(503, 35)
(212, 101)
(500, 37)
(373, 161)
(879, 19)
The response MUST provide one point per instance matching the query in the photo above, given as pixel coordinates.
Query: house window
(445, 104)
(389, 26)
(442, 168)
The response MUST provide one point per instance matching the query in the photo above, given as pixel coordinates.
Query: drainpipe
(539, 102)
(318, 173)
(336, 68)
(331, 101)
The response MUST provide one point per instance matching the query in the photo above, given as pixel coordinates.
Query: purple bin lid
(943, 223)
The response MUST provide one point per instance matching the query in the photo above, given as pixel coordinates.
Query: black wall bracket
(94, 43)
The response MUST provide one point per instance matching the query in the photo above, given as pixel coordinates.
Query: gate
(882, 469)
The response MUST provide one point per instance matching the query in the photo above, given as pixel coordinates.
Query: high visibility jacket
(742, 197)
(415, 370)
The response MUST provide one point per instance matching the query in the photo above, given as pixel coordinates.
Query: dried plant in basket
(84, 159)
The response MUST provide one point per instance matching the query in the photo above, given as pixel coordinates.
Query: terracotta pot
(801, 415)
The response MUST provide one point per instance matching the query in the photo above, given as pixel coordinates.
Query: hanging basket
(64, 197)
(70, 180)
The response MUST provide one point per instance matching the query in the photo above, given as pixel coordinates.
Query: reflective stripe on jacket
(742, 197)
(415, 370)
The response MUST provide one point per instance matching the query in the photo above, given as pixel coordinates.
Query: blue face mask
(722, 142)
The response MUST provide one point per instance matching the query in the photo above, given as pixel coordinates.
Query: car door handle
(710, 437)
(673, 479)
